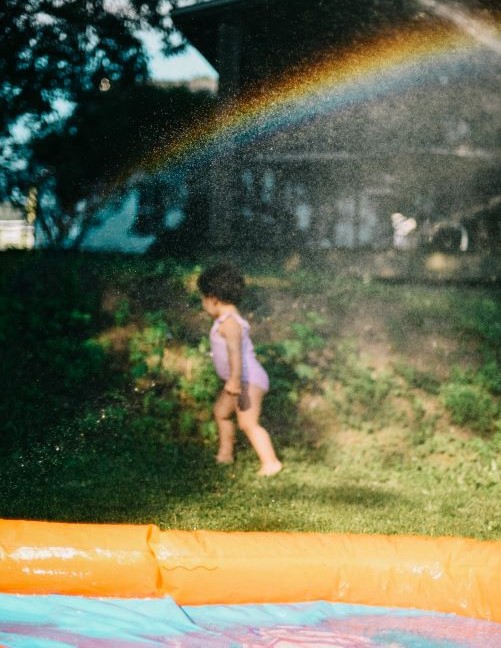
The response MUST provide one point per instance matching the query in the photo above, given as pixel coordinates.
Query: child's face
(210, 305)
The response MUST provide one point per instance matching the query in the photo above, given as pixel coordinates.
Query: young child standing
(245, 380)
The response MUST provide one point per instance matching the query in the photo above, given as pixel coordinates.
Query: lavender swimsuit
(252, 372)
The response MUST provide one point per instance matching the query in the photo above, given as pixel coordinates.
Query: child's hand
(233, 387)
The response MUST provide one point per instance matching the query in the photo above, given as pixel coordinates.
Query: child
(245, 380)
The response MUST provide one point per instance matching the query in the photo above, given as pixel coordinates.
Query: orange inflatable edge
(445, 574)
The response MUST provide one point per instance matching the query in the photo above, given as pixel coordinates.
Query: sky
(189, 65)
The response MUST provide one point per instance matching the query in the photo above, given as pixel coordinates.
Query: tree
(104, 139)
(54, 50)
(57, 56)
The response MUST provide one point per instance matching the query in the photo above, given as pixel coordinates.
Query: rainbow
(336, 81)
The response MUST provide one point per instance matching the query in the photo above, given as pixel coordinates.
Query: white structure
(15, 231)
(112, 231)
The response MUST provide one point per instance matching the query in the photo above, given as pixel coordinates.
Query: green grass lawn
(179, 487)
(384, 403)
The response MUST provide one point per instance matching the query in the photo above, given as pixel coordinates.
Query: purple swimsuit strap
(236, 317)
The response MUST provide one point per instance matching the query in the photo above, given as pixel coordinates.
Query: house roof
(199, 22)
(298, 21)
(276, 34)
(209, 5)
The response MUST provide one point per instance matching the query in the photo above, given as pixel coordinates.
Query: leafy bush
(470, 404)
(361, 399)
(122, 312)
(489, 375)
(424, 380)
(147, 345)
(423, 426)
(292, 369)
(482, 319)
(197, 391)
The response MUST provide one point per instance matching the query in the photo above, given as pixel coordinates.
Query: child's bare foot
(269, 469)
(224, 459)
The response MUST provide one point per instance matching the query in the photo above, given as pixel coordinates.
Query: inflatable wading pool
(98, 586)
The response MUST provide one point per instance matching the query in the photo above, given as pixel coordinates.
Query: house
(409, 123)
(15, 230)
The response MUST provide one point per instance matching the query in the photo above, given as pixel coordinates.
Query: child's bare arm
(232, 333)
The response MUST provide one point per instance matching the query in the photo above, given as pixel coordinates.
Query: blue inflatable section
(69, 621)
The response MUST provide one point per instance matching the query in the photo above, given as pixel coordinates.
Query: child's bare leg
(223, 410)
(248, 421)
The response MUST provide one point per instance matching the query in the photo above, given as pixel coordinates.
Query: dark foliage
(64, 55)
(50, 368)
(61, 50)
(107, 138)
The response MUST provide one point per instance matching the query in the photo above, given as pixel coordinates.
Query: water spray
(479, 30)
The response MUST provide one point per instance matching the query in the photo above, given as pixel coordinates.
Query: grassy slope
(384, 403)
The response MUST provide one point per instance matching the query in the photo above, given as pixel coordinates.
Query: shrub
(362, 399)
(489, 375)
(470, 404)
(197, 391)
(292, 369)
(122, 312)
(424, 380)
(147, 345)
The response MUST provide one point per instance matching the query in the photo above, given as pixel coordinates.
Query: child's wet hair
(223, 281)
